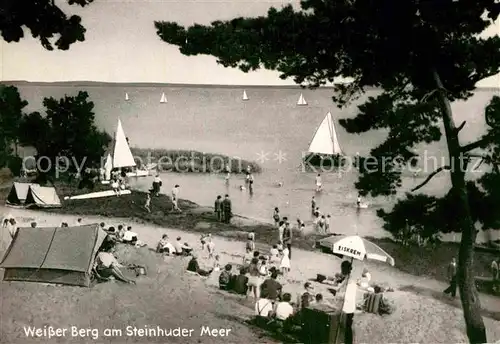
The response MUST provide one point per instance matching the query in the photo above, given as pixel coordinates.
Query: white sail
(163, 98)
(302, 100)
(126, 96)
(325, 140)
(122, 156)
(108, 166)
(245, 97)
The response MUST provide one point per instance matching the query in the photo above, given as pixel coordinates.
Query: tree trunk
(476, 331)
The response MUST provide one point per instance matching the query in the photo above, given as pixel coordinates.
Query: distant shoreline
(192, 161)
(175, 85)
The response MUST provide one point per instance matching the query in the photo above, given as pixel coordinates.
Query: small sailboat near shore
(126, 96)
(245, 96)
(324, 149)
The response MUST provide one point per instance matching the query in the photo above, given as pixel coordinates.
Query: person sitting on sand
(307, 297)
(186, 249)
(120, 233)
(164, 246)
(276, 216)
(106, 264)
(216, 263)
(178, 246)
(264, 308)
(364, 281)
(271, 289)
(274, 254)
(225, 278)
(129, 237)
(240, 282)
(300, 225)
(284, 309)
(247, 258)
(103, 226)
(194, 266)
(12, 227)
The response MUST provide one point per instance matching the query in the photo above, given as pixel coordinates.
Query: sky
(121, 45)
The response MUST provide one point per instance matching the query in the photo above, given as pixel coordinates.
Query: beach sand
(422, 313)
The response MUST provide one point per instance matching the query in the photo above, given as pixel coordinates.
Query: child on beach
(285, 262)
(210, 246)
(274, 254)
(216, 263)
(147, 205)
(250, 246)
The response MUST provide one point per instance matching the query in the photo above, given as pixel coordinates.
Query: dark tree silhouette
(44, 19)
(68, 130)
(422, 54)
(11, 112)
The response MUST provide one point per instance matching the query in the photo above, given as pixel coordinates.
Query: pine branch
(484, 141)
(461, 126)
(430, 176)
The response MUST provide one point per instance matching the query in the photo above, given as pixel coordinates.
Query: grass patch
(193, 161)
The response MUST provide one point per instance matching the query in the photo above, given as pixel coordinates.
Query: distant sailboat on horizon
(324, 149)
(245, 97)
(163, 98)
(126, 96)
(302, 100)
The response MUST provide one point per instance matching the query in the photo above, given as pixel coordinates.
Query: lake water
(216, 120)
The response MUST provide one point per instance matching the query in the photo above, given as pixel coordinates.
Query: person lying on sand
(107, 265)
(194, 266)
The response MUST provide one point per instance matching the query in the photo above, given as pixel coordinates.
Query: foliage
(44, 19)
(11, 112)
(422, 54)
(68, 130)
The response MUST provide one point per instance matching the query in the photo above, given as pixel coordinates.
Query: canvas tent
(53, 255)
(18, 193)
(42, 197)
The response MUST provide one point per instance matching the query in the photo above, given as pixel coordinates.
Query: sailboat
(302, 100)
(245, 97)
(126, 96)
(324, 149)
(163, 98)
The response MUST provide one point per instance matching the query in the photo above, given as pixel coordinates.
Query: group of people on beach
(223, 209)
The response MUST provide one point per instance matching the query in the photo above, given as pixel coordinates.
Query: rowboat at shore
(98, 194)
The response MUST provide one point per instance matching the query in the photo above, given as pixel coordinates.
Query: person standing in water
(318, 183)
(250, 182)
(358, 201)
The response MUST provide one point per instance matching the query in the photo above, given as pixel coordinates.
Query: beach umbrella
(359, 248)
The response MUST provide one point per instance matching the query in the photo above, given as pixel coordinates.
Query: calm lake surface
(271, 125)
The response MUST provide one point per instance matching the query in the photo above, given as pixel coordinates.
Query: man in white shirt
(349, 300)
(318, 183)
(175, 197)
(129, 236)
(263, 308)
(284, 309)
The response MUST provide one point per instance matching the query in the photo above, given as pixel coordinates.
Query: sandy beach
(422, 313)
